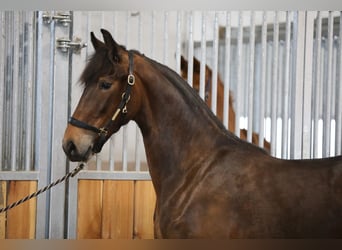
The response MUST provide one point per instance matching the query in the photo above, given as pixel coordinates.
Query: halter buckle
(103, 131)
(131, 79)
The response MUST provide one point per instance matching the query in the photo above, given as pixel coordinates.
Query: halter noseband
(103, 131)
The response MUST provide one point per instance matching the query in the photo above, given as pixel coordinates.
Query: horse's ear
(184, 64)
(197, 65)
(111, 45)
(96, 43)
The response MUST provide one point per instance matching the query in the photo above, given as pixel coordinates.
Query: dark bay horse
(220, 97)
(208, 182)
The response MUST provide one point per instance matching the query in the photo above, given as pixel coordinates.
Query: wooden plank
(2, 204)
(21, 220)
(89, 211)
(118, 202)
(145, 200)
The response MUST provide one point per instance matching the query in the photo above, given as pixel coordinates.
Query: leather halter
(103, 131)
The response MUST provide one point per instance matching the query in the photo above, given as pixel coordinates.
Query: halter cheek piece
(103, 131)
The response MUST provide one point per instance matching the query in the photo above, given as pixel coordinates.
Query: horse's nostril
(69, 147)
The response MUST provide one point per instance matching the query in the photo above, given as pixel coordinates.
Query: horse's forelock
(98, 65)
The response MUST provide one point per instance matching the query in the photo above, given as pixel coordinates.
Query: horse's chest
(192, 218)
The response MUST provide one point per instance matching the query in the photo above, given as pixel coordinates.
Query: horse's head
(105, 104)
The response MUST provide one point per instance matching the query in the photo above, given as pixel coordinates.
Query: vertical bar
(137, 130)
(112, 138)
(20, 161)
(338, 141)
(227, 72)
(59, 66)
(111, 154)
(15, 89)
(28, 39)
(251, 76)
(2, 84)
(153, 27)
(286, 90)
(190, 48)
(263, 79)
(327, 91)
(239, 74)
(41, 132)
(6, 153)
(297, 97)
(166, 37)
(80, 22)
(307, 89)
(99, 155)
(215, 71)
(178, 43)
(274, 84)
(124, 129)
(334, 92)
(202, 85)
(318, 82)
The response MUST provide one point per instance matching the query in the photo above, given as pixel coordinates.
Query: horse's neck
(176, 131)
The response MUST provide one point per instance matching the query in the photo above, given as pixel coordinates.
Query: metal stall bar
(338, 142)
(327, 91)
(2, 84)
(153, 28)
(227, 71)
(251, 76)
(28, 82)
(214, 69)
(274, 84)
(124, 129)
(203, 57)
(4, 62)
(297, 91)
(317, 84)
(307, 88)
(263, 79)
(166, 38)
(59, 68)
(137, 130)
(99, 156)
(14, 55)
(178, 42)
(190, 47)
(84, 28)
(239, 74)
(112, 138)
(41, 131)
(286, 90)
(50, 107)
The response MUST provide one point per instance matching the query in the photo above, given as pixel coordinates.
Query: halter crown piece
(103, 131)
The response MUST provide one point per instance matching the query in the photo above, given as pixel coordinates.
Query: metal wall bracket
(65, 44)
(63, 18)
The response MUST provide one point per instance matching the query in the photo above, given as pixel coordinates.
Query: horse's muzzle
(75, 154)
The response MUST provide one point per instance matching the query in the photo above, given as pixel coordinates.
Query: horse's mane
(188, 92)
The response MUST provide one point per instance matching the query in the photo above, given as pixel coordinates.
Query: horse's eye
(105, 85)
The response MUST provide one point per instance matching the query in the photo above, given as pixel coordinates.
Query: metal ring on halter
(103, 131)
(123, 96)
(131, 79)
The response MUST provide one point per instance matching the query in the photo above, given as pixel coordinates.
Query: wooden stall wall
(107, 209)
(115, 209)
(20, 221)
